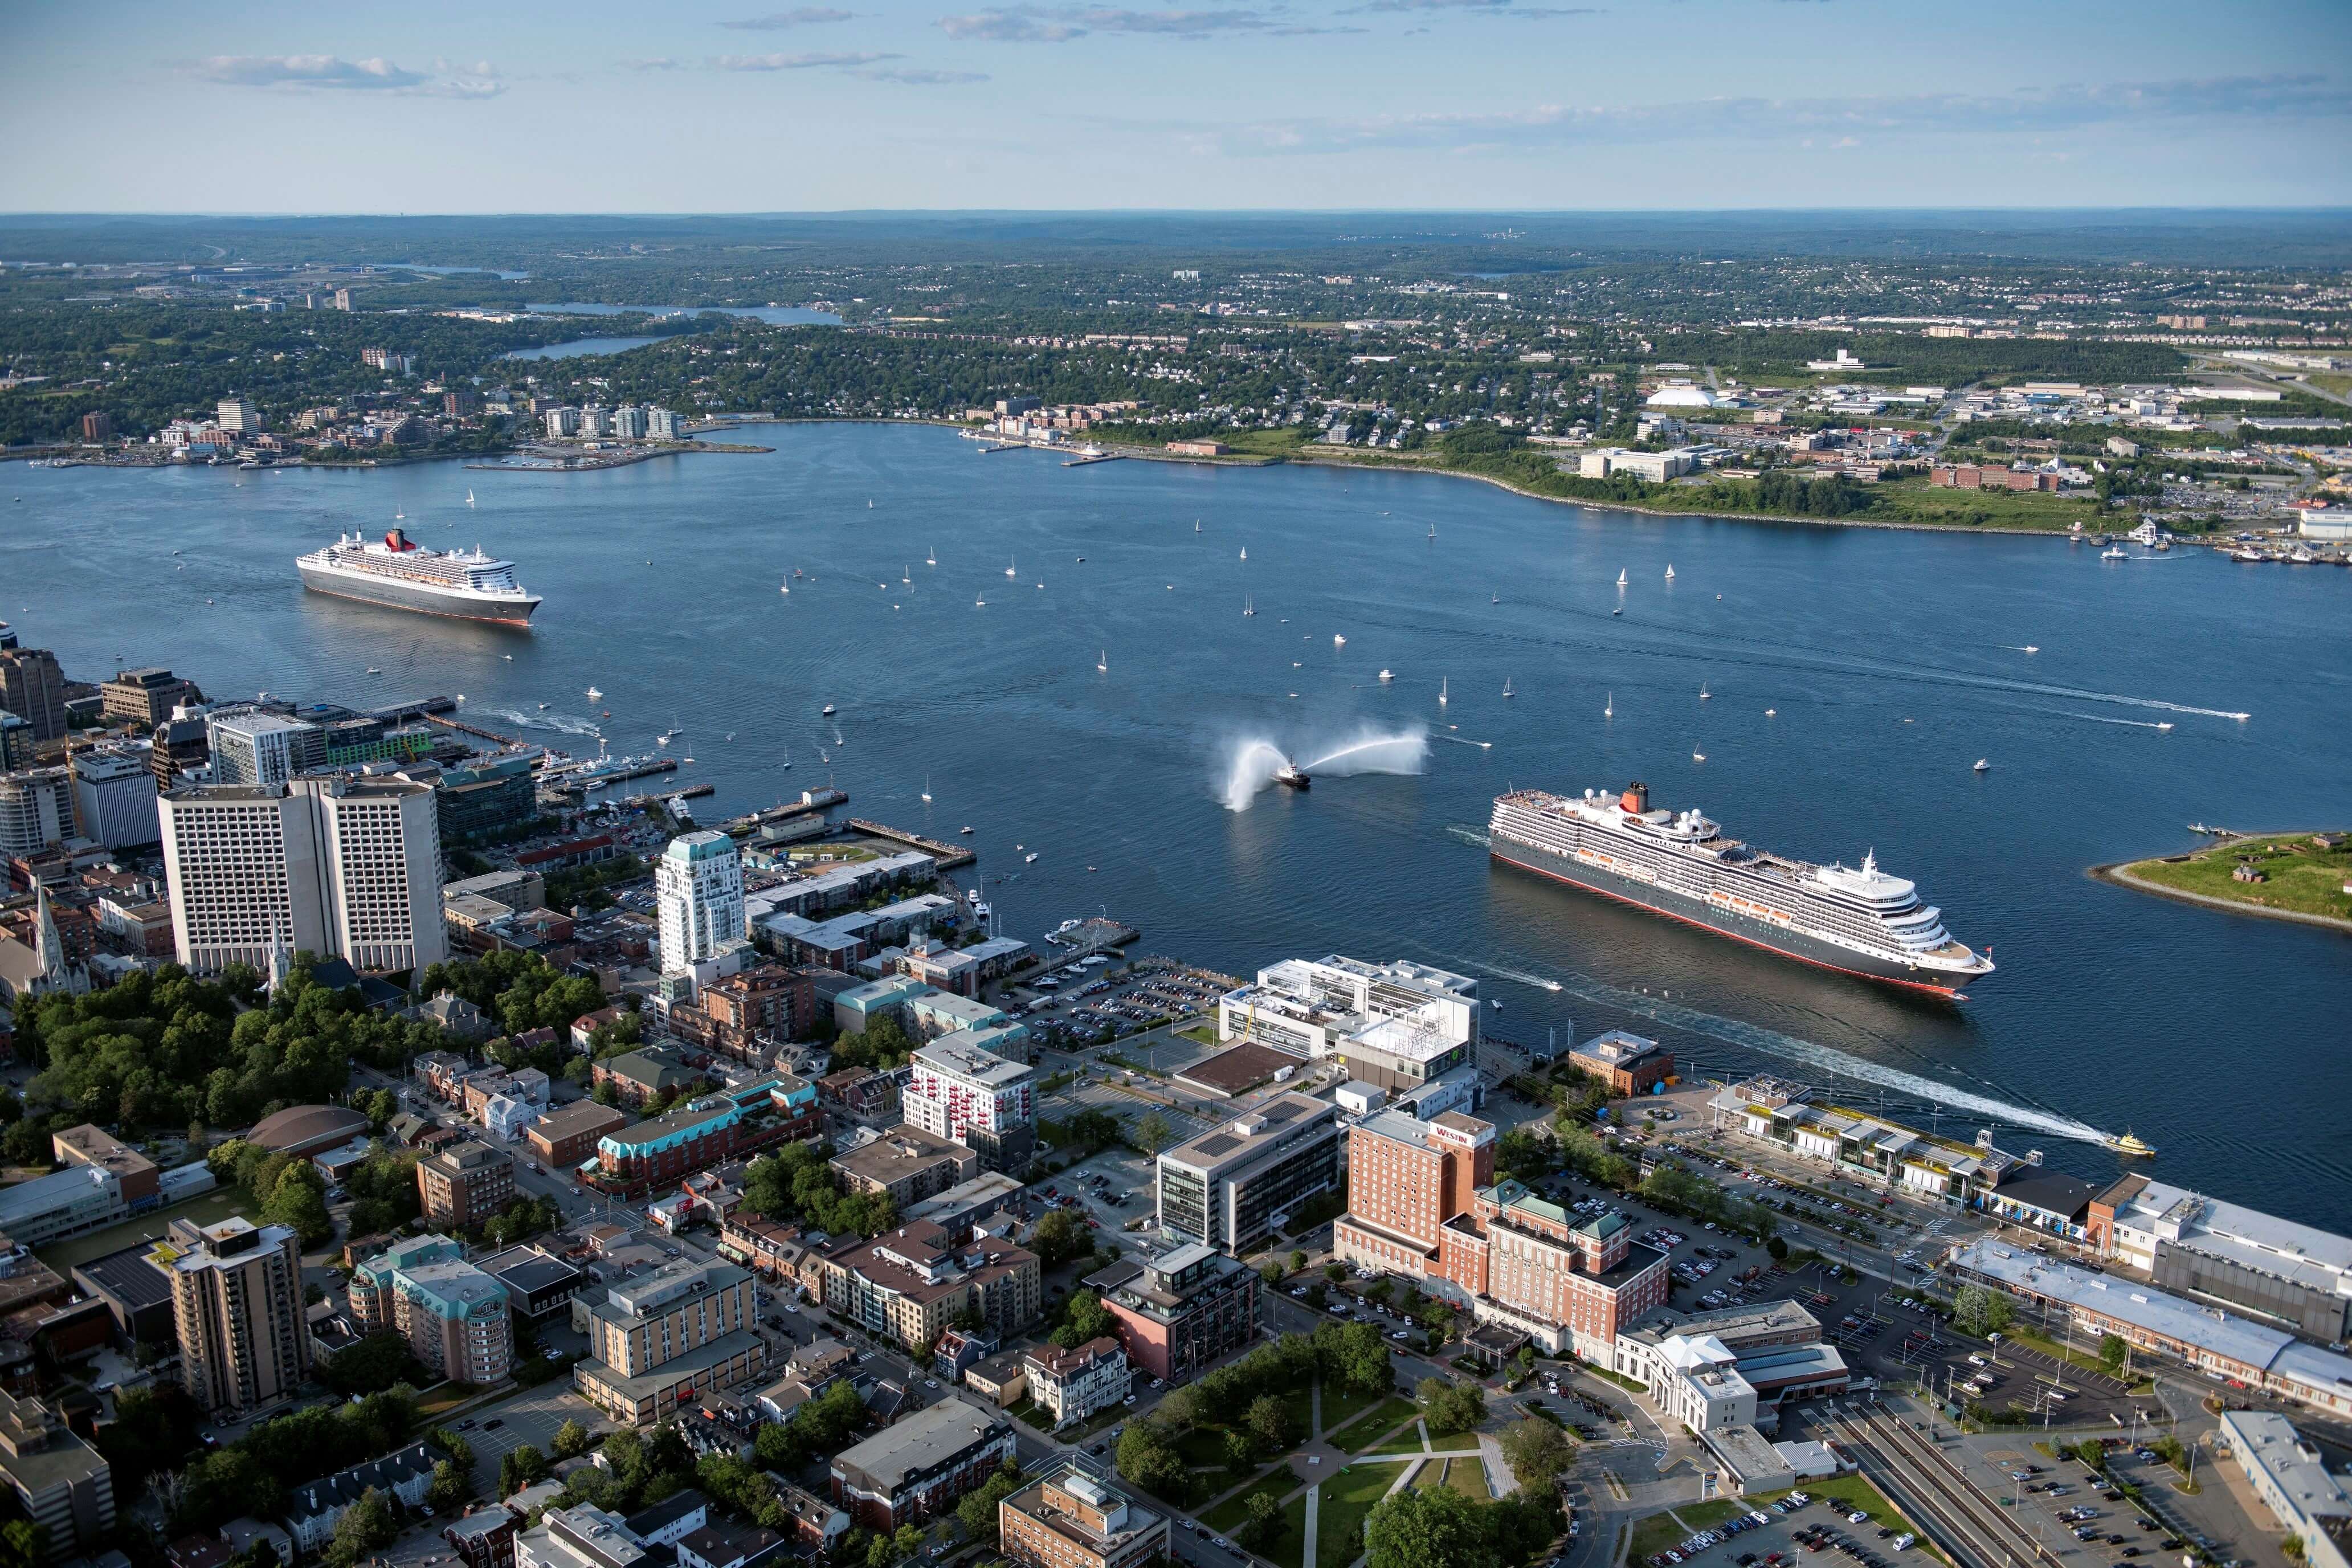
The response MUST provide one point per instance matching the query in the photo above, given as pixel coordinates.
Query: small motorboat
(1339, 641)
(965, 830)
(1387, 676)
(1031, 856)
(374, 670)
(1983, 766)
(828, 709)
(594, 695)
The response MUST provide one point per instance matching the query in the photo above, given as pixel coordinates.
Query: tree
(298, 1201)
(377, 1362)
(1777, 1249)
(1086, 1319)
(1057, 1237)
(977, 1511)
(1263, 1523)
(24, 1545)
(1538, 1452)
(1298, 1261)
(2113, 1352)
(451, 1486)
(1151, 1133)
(1978, 1311)
(572, 1439)
(1149, 1459)
(364, 1526)
(1239, 1452)
(1269, 1423)
(521, 1466)
(1451, 1404)
(1429, 1528)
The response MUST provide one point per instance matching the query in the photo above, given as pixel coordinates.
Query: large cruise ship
(1857, 920)
(397, 571)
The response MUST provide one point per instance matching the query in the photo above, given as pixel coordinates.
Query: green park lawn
(1227, 1516)
(1466, 1475)
(1358, 1433)
(2301, 876)
(1348, 1498)
(1339, 1408)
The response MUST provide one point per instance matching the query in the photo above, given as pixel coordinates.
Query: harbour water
(1890, 662)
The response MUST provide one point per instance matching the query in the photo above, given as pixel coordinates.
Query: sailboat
(1441, 693)
(1506, 686)
(1249, 605)
(1620, 577)
(933, 558)
(1670, 570)
(1702, 692)
(905, 573)
(1103, 663)
(927, 789)
(1014, 570)
(981, 603)
(470, 498)
(1610, 711)
(1245, 551)
(1433, 534)
(1496, 600)
(398, 515)
(1698, 755)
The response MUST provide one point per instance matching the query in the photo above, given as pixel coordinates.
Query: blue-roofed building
(458, 1319)
(858, 1007)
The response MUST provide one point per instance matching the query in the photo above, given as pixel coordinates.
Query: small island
(2302, 877)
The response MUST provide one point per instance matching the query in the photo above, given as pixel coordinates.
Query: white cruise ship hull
(459, 603)
(1773, 937)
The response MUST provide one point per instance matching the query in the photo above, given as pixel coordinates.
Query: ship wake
(563, 723)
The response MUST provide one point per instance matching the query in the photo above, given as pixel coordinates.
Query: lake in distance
(1892, 661)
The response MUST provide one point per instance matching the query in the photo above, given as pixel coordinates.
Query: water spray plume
(1254, 760)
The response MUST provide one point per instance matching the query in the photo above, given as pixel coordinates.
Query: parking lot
(1091, 999)
(1744, 1534)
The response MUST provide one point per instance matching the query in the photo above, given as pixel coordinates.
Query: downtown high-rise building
(699, 892)
(254, 746)
(338, 866)
(237, 1304)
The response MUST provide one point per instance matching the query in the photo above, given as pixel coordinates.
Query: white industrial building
(1310, 1007)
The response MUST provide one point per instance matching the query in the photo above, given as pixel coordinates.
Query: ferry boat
(397, 572)
(1859, 921)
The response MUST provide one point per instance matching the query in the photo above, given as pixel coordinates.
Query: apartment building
(655, 1343)
(341, 867)
(1074, 1518)
(1072, 1384)
(236, 1305)
(36, 810)
(566, 1136)
(464, 1184)
(1179, 1313)
(254, 746)
(32, 687)
(913, 1282)
(1406, 1178)
(975, 1098)
(114, 797)
(916, 1468)
(908, 1163)
(1228, 1187)
(456, 1317)
(60, 1482)
(698, 891)
(1519, 1258)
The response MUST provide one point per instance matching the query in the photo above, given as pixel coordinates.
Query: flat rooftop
(1254, 1134)
(1236, 1072)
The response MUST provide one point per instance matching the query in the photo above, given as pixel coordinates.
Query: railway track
(1973, 1529)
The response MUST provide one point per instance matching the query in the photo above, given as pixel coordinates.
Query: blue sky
(752, 105)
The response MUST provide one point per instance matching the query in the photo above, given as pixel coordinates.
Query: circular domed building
(1680, 395)
(306, 1130)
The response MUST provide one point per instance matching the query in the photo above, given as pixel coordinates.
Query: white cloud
(800, 16)
(1036, 25)
(923, 78)
(796, 62)
(333, 73)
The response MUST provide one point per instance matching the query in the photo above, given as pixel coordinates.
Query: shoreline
(1246, 461)
(2118, 874)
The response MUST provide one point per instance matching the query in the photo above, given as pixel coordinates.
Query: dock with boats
(949, 856)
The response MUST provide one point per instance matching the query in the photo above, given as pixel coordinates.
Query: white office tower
(114, 797)
(36, 810)
(340, 866)
(698, 885)
(250, 746)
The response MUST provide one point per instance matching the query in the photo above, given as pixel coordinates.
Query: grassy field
(1358, 1434)
(1855, 1492)
(1338, 1408)
(1466, 1476)
(217, 1204)
(1227, 1516)
(2302, 877)
(1915, 500)
(1347, 1498)
(1660, 1531)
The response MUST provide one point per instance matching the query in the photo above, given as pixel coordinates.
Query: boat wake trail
(2102, 719)
(1481, 745)
(1808, 1054)
(563, 723)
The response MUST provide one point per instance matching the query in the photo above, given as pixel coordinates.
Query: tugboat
(1289, 776)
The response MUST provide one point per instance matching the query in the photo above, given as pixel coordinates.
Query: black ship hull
(1723, 922)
